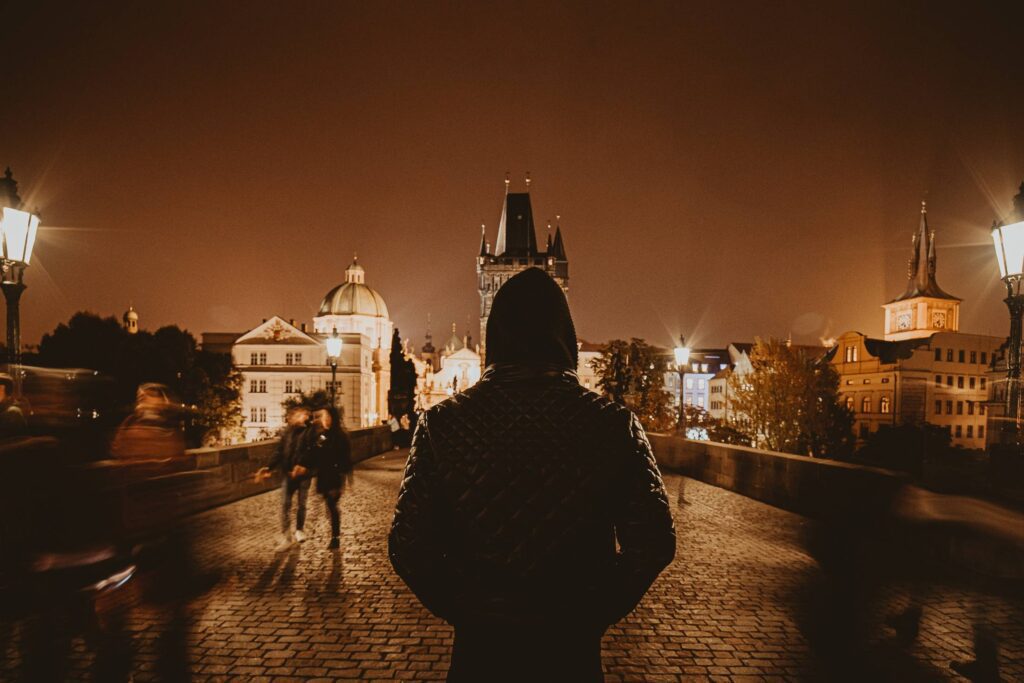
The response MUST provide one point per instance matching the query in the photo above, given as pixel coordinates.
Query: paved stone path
(726, 609)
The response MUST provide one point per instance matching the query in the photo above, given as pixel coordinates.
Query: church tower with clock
(923, 308)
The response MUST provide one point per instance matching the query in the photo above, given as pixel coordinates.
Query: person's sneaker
(334, 544)
(284, 543)
(300, 535)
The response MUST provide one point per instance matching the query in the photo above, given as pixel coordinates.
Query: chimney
(303, 327)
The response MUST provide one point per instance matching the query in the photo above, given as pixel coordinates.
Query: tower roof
(516, 236)
(9, 190)
(921, 280)
(558, 248)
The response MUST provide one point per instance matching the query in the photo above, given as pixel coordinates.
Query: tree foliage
(633, 374)
(790, 400)
(205, 382)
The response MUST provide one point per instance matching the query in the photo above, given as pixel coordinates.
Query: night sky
(722, 171)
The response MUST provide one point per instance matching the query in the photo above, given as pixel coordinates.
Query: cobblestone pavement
(726, 609)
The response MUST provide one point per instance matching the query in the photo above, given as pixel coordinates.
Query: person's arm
(415, 544)
(643, 525)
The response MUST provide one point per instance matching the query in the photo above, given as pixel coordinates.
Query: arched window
(883, 405)
(849, 403)
(865, 404)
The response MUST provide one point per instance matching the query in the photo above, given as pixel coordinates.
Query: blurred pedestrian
(516, 493)
(291, 456)
(332, 457)
(154, 429)
(12, 420)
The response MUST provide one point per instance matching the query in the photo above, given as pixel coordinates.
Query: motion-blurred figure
(332, 458)
(292, 457)
(153, 430)
(12, 420)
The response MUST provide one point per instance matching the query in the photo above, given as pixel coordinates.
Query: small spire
(483, 240)
(549, 237)
(508, 180)
(924, 206)
(527, 181)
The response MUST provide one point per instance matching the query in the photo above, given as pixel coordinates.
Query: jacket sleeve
(643, 525)
(277, 457)
(415, 544)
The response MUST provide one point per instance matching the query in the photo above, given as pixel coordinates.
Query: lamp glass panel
(333, 346)
(1013, 245)
(682, 355)
(19, 234)
(997, 242)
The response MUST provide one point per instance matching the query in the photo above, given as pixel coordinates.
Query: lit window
(883, 405)
(703, 367)
(849, 403)
(689, 383)
(867, 381)
(865, 404)
(851, 354)
(701, 384)
(885, 380)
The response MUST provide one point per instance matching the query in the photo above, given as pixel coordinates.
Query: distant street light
(334, 344)
(1009, 244)
(17, 238)
(682, 353)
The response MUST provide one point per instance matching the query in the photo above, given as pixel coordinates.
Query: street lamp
(17, 238)
(682, 353)
(334, 344)
(1009, 245)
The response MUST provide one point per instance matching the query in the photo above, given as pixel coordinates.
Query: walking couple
(319, 448)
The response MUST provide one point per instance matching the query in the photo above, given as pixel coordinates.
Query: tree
(790, 400)
(206, 383)
(633, 374)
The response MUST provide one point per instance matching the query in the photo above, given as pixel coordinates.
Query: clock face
(938, 319)
(903, 321)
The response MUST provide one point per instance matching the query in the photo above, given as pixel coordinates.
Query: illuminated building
(130, 320)
(279, 359)
(442, 373)
(924, 369)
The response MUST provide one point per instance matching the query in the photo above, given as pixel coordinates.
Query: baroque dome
(354, 297)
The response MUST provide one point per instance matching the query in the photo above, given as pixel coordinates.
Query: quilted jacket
(516, 495)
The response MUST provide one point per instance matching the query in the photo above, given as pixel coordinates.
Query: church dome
(354, 297)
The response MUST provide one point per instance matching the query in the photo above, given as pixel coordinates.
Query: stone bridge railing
(42, 496)
(848, 499)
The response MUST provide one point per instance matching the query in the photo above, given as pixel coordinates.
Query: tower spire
(527, 181)
(508, 180)
(483, 239)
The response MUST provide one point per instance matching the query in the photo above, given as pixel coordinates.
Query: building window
(703, 367)
(958, 431)
(938, 407)
(949, 380)
(970, 407)
(960, 382)
(689, 400)
(252, 386)
(982, 382)
(938, 354)
(700, 384)
(981, 410)
(971, 382)
(959, 407)
(263, 359)
(867, 381)
(263, 414)
(865, 404)
(288, 358)
(849, 381)
(258, 387)
(883, 405)
(849, 403)
(981, 431)
(288, 387)
(938, 380)
(851, 354)
(949, 407)
(970, 431)
(700, 401)
(252, 414)
(298, 358)
(960, 356)
(689, 383)
(974, 356)
(885, 380)
(984, 360)
(949, 355)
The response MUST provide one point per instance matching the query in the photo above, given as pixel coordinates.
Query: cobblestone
(726, 609)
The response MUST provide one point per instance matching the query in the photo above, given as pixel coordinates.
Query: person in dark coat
(331, 455)
(515, 495)
(291, 456)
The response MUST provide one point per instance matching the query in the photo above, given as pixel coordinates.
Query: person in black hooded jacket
(515, 495)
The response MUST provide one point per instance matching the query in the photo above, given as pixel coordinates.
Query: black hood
(530, 323)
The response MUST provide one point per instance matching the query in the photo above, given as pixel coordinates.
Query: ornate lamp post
(682, 354)
(334, 344)
(1009, 245)
(17, 238)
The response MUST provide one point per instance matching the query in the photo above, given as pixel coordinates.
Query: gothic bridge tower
(515, 251)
